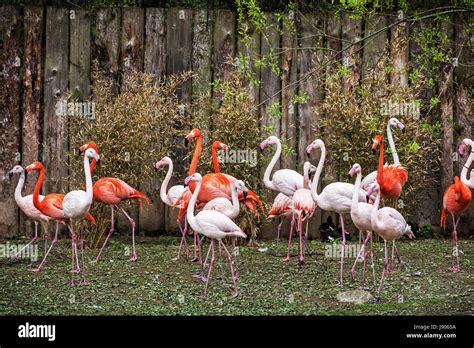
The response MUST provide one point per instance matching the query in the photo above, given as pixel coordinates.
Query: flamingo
(214, 225)
(456, 199)
(76, 205)
(335, 197)
(217, 145)
(50, 205)
(302, 208)
(112, 191)
(281, 207)
(466, 143)
(25, 203)
(171, 196)
(389, 224)
(361, 214)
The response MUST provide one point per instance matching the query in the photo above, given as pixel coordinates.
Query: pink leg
(183, 240)
(385, 269)
(363, 246)
(455, 257)
(210, 268)
(74, 258)
(369, 235)
(372, 265)
(287, 258)
(38, 269)
(108, 235)
(82, 241)
(232, 274)
(277, 242)
(34, 239)
(300, 227)
(341, 272)
(134, 252)
(234, 257)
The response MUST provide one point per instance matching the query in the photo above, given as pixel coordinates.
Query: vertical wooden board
(399, 54)
(55, 135)
(10, 61)
(152, 217)
(351, 56)
(374, 47)
(310, 57)
(133, 40)
(155, 45)
(80, 54)
(224, 43)
(248, 52)
(106, 43)
(32, 81)
(179, 30)
(289, 87)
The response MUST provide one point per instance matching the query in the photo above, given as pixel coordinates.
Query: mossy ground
(156, 285)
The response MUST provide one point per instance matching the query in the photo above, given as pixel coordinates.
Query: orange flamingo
(51, 205)
(456, 199)
(217, 145)
(391, 179)
(112, 191)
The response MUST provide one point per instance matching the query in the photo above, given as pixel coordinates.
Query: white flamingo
(389, 224)
(214, 225)
(335, 197)
(361, 214)
(75, 206)
(25, 203)
(170, 196)
(467, 143)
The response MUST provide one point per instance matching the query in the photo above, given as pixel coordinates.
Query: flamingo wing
(393, 223)
(221, 205)
(215, 225)
(368, 180)
(303, 202)
(287, 181)
(281, 206)
(174, 192)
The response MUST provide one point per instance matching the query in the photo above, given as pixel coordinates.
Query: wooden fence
(47, 51)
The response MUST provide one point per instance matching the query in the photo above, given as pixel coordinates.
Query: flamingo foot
(456, 269)
(134, 258)
(72, 284)
(36, 270)
(200, 276)
(175, 258)
(286, 259)
(235, 293)
(195, 259)
(13, 259)
(83, 282)
(301, 261)
(77, 270)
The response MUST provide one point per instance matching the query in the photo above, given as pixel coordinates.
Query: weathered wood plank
(132, 41)
(224, 43)
(32, 82)
(351, 36)
(10, 61)
(399, 54)
(80, 54)
(55, 135)
(374, 47)
(155, 45)
(107, 45)
(247, 53)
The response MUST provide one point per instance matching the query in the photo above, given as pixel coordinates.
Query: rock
(354, 296)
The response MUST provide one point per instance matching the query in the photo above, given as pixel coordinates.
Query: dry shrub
(355, 118)
(132, 130)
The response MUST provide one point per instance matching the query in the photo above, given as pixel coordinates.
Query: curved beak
(79, 152)
(411, 235)
(263, 144)
(97, 158)
(245, 195)
(403, 130)
(461, 150)
(186, 142)
(10, 175)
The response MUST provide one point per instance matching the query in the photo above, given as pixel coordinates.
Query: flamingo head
(374, 187)
(16, 170)
(220, 146)
(312, 170)
(165, 160)
(378, 139)
(466, 143)
(195, 133)
(395, 122)
(356, 169)
(409, 233)
(34, 166)
(269, 141)
(318, 143)
(239, 185)
(88, 145)
(196, 177)
(91, 153)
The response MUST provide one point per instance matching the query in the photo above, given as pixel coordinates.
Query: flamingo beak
(245, 195)
(97, 158)
(263, 144)
(403, 130)
(461, 150)
(10, 174)
(79, 152)
(186, 142)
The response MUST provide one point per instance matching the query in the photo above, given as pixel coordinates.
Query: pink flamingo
(361, 214)
(76, 205)
(302, 207)
(389, 224)
(171, 196)
(335, 197)
(113, 191)
(467, 143)
(213, 225)
(26, 205)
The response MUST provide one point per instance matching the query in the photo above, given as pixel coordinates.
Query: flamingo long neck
(355, 196)
(266, 177)
(164, 186)
(87, 170)
(392, 144)
(215, 161)
(190, 212)
(19, 187)
(235, 201)
(380, 167)
(37, 190)
(465, 169)
(197, 153)
(375, 209)
(306, 178)
(319, 169)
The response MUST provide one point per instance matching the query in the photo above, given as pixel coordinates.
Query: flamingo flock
(217, 196)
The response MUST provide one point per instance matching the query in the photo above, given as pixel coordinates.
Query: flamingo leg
(112, 229)
(82, 241)
(385, 269)
(277, 242)
(185, 230)
(300, 227)
(372, 265)
(287, 258)
(132, 222)
(34, 239)
(234, 254)
(38, 269)
(455, 264)
(361, 248)
(233, 276)
(341, 272)
(74, 258)
(183, 241)
(46, 235)
(203, 266)
(210, 268)
(369, 235)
